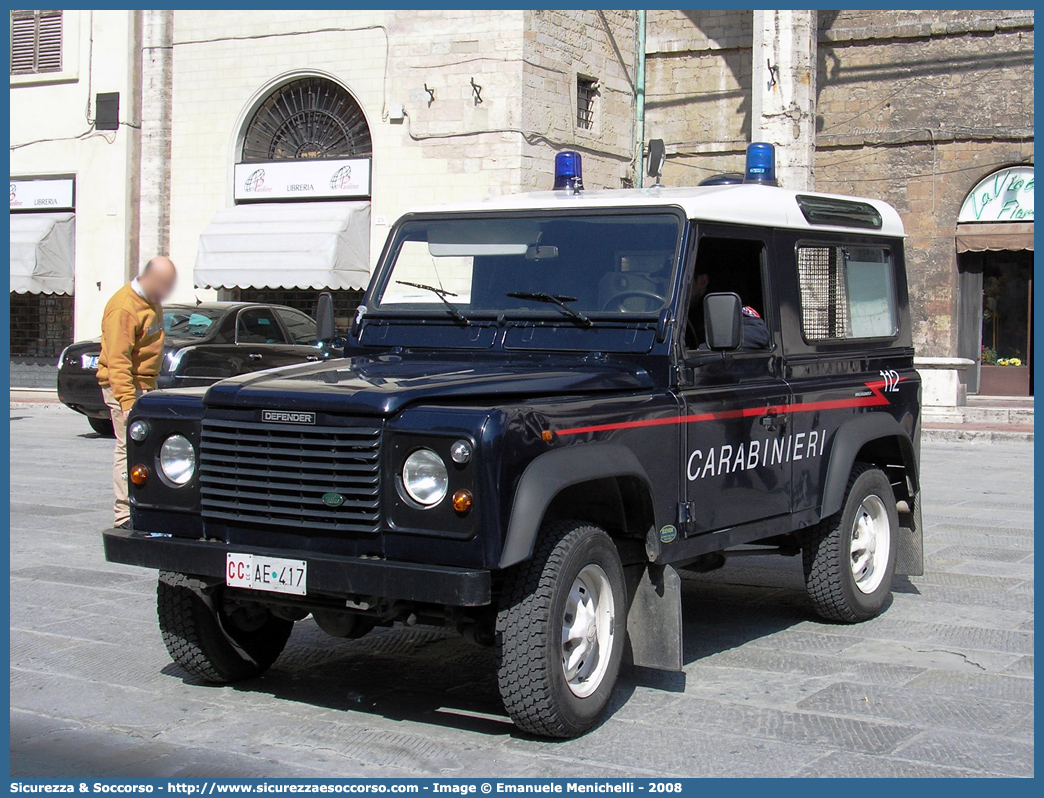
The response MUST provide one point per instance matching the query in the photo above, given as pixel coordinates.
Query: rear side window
(258, 326)
(301, 328)
(846, 292)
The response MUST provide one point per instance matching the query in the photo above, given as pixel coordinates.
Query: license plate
(89, 362)
(273, 574)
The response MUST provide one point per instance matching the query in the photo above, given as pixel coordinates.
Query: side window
(729, 265)
(301, 328)
(258, 326)
(846, 292)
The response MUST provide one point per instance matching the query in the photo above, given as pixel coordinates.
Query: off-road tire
(826, 553)
(532, 681)
(103, 426)
(207, 643)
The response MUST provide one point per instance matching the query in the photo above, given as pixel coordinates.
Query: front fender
(549, 474)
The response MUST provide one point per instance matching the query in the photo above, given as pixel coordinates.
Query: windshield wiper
(441, 293)
(553, 299)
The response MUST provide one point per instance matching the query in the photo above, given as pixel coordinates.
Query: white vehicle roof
(745, 204)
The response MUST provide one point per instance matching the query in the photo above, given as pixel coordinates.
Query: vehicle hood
(383, 385)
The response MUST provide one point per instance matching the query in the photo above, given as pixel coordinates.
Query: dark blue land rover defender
(547, 405)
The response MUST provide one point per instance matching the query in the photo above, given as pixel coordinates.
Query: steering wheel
(618, 299)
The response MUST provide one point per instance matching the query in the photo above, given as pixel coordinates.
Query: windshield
(572, 266)
(180, 321)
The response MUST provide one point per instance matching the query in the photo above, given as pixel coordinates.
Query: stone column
(784, 92)
(157, 73)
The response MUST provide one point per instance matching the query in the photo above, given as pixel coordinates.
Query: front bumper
(328, 574)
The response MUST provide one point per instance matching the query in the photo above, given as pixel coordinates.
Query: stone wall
(914, 107)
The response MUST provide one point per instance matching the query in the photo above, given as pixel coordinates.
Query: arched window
(309, 117)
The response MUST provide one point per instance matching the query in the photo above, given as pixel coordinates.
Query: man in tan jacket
(131, 355)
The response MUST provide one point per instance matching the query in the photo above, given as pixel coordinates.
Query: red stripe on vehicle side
(877, 399)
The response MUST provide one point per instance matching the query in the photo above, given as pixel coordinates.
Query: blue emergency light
(761, 164)
(569, 173)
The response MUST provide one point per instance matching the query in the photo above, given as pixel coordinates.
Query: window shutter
(49, 42)
(36, 42)
(23, 42)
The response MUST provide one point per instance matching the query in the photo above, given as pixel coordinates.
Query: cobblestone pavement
(940, 685)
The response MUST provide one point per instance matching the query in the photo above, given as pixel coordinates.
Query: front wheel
(214, 641)
(849, 558)
(560, 631)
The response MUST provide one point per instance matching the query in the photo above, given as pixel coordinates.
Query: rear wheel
(560, 631)
(212, 640)
(103, 426)
(849, 559)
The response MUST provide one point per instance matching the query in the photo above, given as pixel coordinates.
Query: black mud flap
(654, 617)
(909, 554)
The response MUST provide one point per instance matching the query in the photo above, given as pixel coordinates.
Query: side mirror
(324, 318)
(723, 321)
(657, 155)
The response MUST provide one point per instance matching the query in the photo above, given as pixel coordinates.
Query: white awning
(42, 253)
(291, 245)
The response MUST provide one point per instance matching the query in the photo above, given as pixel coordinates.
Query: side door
(736, 436)
(261, 341)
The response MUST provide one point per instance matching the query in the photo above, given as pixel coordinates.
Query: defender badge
(668, 533)
(287, 417)
(333, 499)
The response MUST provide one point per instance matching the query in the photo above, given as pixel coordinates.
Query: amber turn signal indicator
(462, 501)
(139, 475)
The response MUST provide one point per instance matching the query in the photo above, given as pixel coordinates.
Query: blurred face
(158, 280)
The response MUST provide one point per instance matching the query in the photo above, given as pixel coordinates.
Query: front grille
(278, 474)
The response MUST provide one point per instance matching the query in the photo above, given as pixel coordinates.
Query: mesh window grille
(36, 42)
(586, 91)
(824, 304)
(41, 325)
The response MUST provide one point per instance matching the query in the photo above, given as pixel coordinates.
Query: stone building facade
(912, 107)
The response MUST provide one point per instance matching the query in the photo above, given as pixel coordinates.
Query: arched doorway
(995, 271)
(301, 220)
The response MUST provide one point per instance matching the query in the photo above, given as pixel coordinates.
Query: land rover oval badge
(668, 533)
(333, 499)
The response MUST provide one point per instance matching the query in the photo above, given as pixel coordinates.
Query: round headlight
(138, 431)
(177, 459)
(424, 477)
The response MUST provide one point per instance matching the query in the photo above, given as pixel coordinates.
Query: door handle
(254, 356)
(312, 358)
(773, 421)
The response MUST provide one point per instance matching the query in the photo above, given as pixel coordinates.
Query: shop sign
(56, 194)
(1004, 196)
(303, 180)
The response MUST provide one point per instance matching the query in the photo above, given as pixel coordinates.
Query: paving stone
(978, 685)
(913, 707)
(848, 765)
(979, 752)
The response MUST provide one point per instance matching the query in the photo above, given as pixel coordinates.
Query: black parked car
(204, 343)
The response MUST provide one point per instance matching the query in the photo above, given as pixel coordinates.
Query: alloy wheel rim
(871, 544)
(588, 631)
